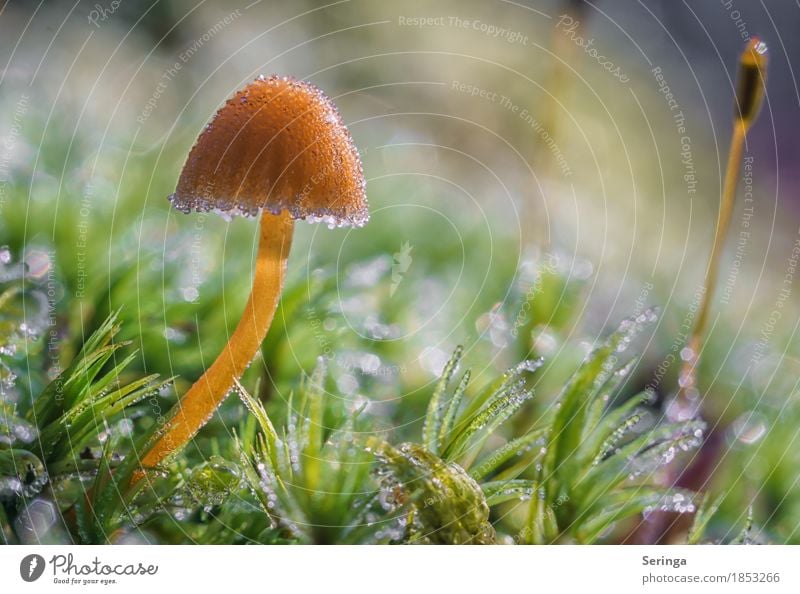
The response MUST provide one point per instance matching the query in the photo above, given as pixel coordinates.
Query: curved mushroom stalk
(207, 393)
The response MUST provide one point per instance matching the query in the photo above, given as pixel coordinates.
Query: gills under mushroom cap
(278, 144)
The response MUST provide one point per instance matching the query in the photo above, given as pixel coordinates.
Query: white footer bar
(389, 570)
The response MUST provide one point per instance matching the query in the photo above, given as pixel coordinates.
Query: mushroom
(278, 148)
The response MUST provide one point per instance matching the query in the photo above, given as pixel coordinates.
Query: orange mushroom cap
(278, 144)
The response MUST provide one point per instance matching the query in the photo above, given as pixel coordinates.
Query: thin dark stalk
(750, 92)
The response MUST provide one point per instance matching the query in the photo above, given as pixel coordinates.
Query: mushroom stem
(198, 404)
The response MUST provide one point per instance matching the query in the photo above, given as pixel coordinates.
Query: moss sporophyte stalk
(279, 149)
(749, 97)
(686, 404)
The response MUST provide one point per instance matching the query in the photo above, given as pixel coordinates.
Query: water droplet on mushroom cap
(278, 144)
